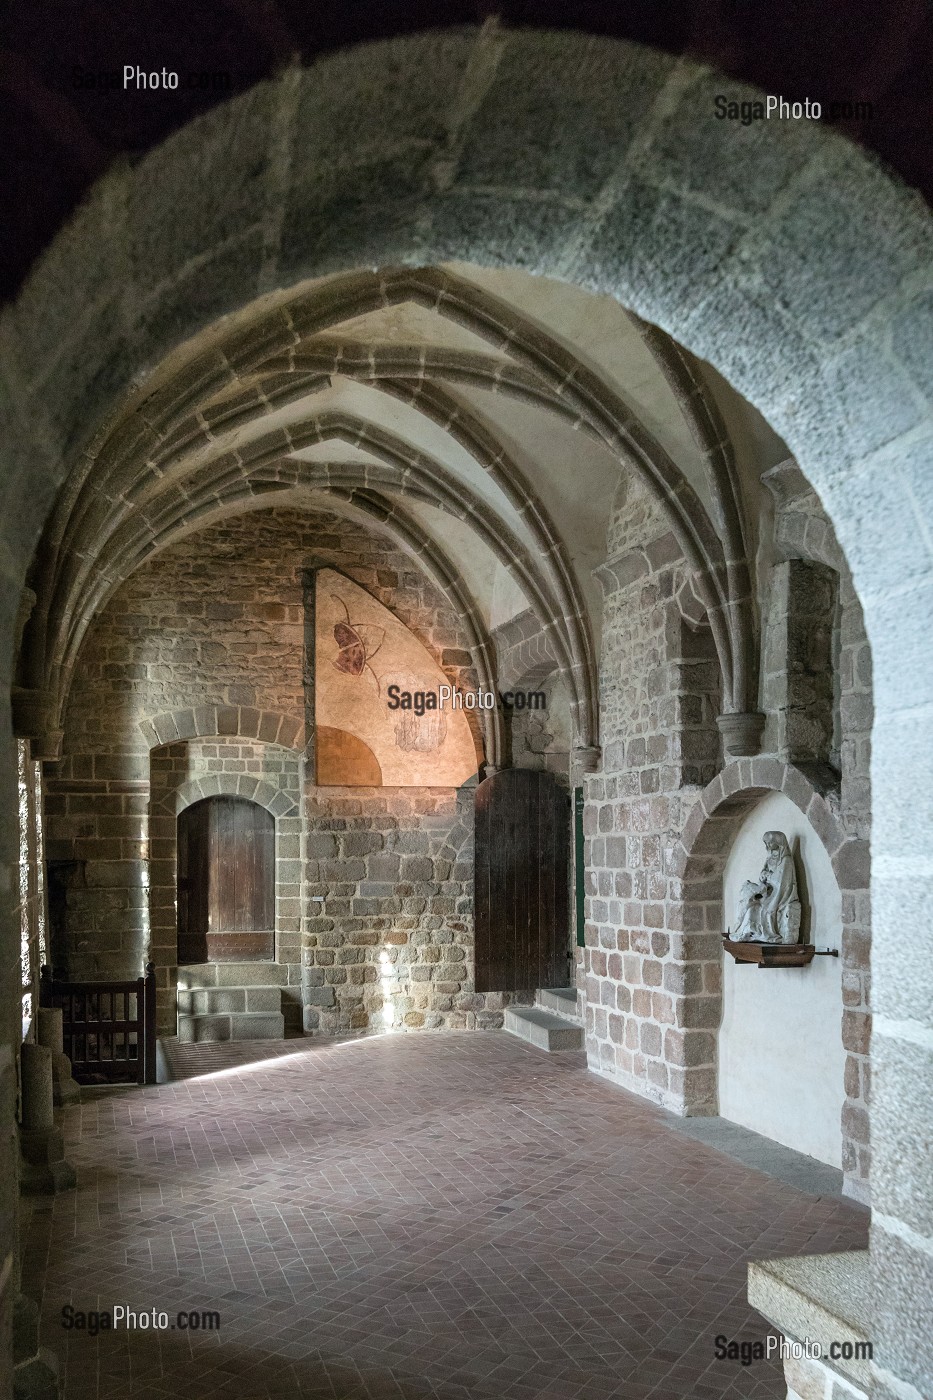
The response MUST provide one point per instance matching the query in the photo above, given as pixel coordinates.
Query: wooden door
(522, 882)
(226, 881)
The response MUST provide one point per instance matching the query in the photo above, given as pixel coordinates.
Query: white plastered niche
(781, 1058)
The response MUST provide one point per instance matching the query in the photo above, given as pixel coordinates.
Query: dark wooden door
(522, 882)
(226, 881)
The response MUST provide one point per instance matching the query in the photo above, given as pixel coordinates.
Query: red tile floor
(452, 1215)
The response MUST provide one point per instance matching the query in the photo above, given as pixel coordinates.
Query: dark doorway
(226, 882)
(522, 882)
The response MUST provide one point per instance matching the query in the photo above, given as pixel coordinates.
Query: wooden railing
(109, 1028)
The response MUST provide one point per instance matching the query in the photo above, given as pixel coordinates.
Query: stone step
(204, 1001)
(543, 1028)
(239, 1025)
(562, 1001)
(233, 974)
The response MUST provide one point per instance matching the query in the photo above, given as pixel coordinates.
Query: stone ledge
(826, 1297)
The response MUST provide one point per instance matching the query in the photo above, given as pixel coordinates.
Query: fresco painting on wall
(360, 650)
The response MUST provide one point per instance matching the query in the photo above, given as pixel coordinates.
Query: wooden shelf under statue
(770, 954)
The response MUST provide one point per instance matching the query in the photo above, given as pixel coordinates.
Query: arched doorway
(226, 881)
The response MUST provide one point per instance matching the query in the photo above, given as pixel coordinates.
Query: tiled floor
(455, 1216)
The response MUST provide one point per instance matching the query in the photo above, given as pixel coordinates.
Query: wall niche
(781, 1057)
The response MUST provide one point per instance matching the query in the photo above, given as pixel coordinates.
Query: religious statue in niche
(769, 908)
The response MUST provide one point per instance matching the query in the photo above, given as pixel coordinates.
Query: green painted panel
(579, 864)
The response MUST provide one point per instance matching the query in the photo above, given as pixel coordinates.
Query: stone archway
(791, 262)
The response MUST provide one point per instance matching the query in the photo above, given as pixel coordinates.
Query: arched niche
(781, 1060)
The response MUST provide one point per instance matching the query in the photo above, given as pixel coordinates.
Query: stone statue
(769, 909)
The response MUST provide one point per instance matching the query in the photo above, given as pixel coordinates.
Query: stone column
(64, 1088)
(44, 1170)
(35, 1368)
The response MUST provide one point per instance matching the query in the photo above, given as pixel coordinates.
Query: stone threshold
(763, 1153)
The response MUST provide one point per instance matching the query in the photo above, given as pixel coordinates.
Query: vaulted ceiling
(484, 419)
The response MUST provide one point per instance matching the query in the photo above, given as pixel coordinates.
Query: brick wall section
(802, 530)
(96, 848)
(651, 967)
(395, 932)
(797, 685)
(210, 635)
(662, 815)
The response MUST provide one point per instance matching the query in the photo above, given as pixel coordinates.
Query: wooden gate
(522, 882)
(226, 881)
(109, 1028)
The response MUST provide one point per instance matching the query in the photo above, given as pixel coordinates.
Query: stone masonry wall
(216, 620)
(802, 531)
(212, 633)
(661, 816)
(649, 1024)
(392, 945)
(191, 770)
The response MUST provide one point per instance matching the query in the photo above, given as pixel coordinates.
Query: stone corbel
(586, 760)
(34, 718)
(741, 733)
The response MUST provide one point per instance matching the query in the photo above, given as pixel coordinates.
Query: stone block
(198, 975)
(201, 188)
(44, 1169)
(319, 996)
(257, 1026)
(529, 92)
(912, 340)
(856, 1031)
(38, 1377)
(847, 213)
(197, 1029)
(643, 234)
(901, 1126)
(266, 999)
(25, 1328)
(807, 1379)
(561, 1001)
(543, 1028)
(376, 207)
(217, 1000)
(902, 1282)
(251, 974)
(506, 226)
